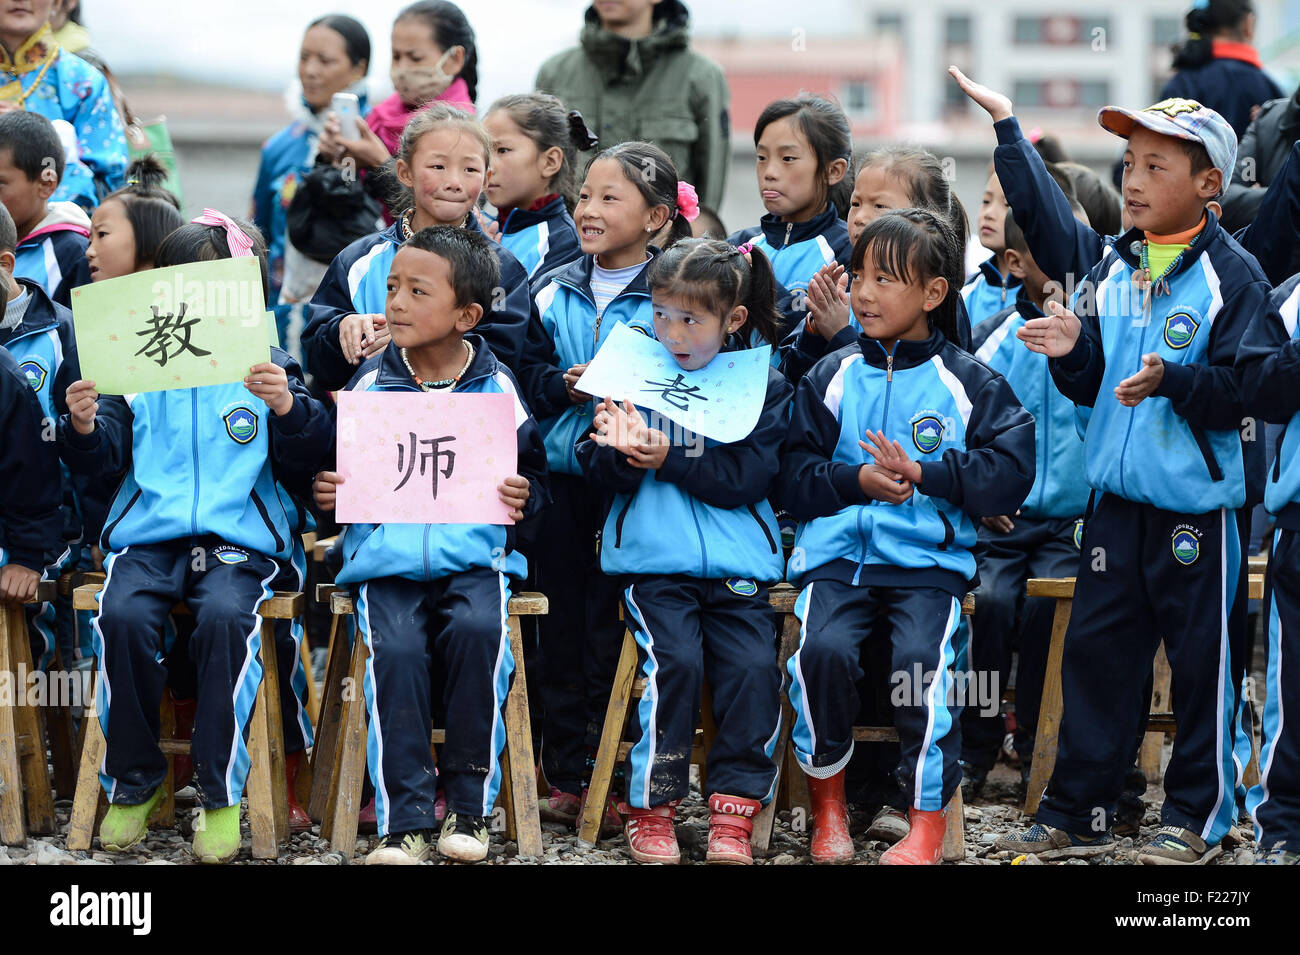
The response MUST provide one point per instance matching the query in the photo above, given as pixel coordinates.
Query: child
(31, 523)
(804, 148)
(1266, 362)
(435, 62)
(67, 90)
(698, 611)
(212, 539)
(1039, 540)
(891, 541)
(448, 601)
(986, 294)
(635, 77)
(1162, 548)
(630, 192)
(128, 225)
(534, 147)
(442, 164)
(51, 235)
(890, 178)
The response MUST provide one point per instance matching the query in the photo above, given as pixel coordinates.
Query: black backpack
(330, 209)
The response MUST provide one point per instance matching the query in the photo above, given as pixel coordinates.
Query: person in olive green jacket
(633, 77)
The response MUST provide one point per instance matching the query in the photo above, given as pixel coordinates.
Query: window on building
(1059, 30)
(859, 99)
(957, 30)
(1060, 93)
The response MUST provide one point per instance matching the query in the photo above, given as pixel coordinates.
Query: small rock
(784, 859)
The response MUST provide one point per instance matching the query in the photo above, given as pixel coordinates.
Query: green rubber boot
(216, 835)
(125, 826)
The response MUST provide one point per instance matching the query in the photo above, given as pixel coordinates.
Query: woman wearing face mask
(434, 61)
(334, 58)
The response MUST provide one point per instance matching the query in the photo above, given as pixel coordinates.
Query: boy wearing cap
(1149, 347)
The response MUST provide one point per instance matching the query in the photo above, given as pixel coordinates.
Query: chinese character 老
(676, 392)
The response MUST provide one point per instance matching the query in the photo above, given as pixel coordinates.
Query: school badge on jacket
(241, 424)
(1186, 544)
(1180, 328)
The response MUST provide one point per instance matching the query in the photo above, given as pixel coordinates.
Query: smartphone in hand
(347, 108)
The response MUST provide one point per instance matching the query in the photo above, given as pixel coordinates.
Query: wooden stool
(268, 812)
(23, 765)
(340, 753)
(614, 748)
(1160, 721)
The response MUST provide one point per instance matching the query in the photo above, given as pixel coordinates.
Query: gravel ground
(995, 812)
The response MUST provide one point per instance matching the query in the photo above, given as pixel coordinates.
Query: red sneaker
(561, 807)
(831, 842)
(367, 822)
(923, 845)
(650, 834)
(611, 823)
(299, 821)
(731, 824)
(440, 806)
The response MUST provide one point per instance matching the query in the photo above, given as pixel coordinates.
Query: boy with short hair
(44, 79)
(994, 286)
(30, 520)
(447, 597)
(52, 236)
(634, 77)
(1150, 349)
(1039, 540)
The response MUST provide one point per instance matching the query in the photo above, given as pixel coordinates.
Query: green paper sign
(187, 326)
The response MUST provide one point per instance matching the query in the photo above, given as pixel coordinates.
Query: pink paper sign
(412, 458)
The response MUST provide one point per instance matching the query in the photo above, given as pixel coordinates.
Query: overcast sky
(255, 42)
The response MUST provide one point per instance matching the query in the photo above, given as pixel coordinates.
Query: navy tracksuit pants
(824, 672)
(1005, 619)
(1274, 801)
(462, 622)
(1147, 575)
(688, 630)
(581, 635)
(223, 587)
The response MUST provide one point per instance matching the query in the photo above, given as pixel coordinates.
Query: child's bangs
(894, 243)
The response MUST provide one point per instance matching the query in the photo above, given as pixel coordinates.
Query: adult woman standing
(334, 58)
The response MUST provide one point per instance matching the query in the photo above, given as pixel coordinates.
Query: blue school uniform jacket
(563, 332)
(1059, 488)
(1268, 365)
(797, 250)
(31, 523)
(542, 240)
(433, 551)
(1178, 449)
(956, 416)
(357, 283)
(74, 91)
(53, 255)
(208, 460)
(988, 293)
(705, 513)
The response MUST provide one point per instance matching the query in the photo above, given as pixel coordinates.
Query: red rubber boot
(183, 766)
(650, 834)
(731, 823)
(831, 842)
(923, 845)
(299, 821)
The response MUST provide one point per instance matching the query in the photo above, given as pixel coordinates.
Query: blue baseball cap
(1183, 119)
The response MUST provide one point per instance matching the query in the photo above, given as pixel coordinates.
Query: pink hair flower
(688, 201)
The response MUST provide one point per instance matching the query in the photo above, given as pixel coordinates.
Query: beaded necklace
(445, 382)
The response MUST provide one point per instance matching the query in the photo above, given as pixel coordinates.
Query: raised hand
(890, 457)
(828, 300)
(997, 105)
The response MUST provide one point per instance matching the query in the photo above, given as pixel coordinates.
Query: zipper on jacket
(1123, 451)
(889, 383)
(704, 550)
(948, 532)
(266, 519)
(618, 522)
(427, 528)
(789, 227)
(771, 543)
(194, 436)
(1047, 424)
(108, 531)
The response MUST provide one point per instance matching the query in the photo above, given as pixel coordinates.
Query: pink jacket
(389, 118)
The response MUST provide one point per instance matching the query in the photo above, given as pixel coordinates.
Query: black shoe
(972, 779)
